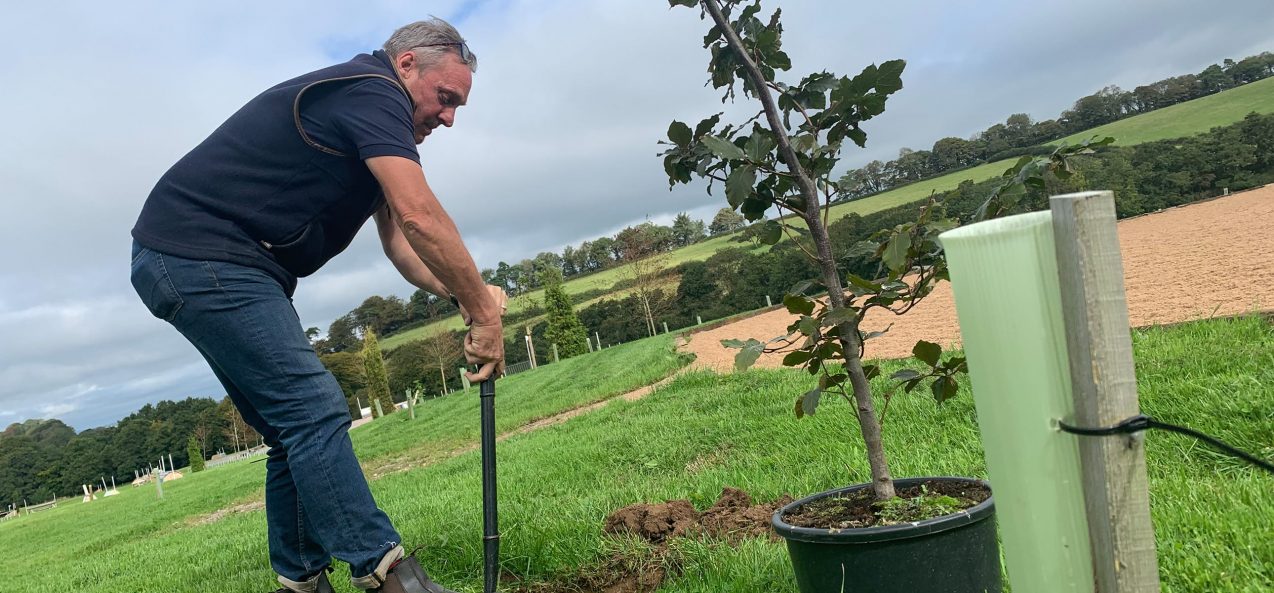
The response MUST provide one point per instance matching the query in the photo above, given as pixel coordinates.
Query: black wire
(1142, 422)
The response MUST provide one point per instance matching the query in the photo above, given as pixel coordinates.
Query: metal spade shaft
(490, 529)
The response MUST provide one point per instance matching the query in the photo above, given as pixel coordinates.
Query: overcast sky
(556, 146)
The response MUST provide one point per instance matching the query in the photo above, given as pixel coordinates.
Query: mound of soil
(654, 523)
(733, 517)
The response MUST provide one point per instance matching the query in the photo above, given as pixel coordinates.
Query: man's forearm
(432, 235)
(436, 242)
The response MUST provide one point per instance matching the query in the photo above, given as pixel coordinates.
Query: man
(273, 194)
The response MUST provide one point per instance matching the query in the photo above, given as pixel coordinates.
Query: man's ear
(406, 62)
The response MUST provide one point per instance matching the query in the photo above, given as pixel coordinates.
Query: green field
(1189, 118)
(1184, 119)
(687, 440)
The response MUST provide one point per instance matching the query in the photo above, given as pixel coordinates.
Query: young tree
(442, 349)
(644, 267)
(240, 433)
(788, 167)
(569, 267)
(564, 327)
(726, 221)
(374, 367)
(201, 434)
(786, 164)
(195, 455)
(687, 231)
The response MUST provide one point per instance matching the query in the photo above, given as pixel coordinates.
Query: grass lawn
(687, 440)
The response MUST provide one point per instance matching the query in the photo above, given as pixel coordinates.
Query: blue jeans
(317, 502)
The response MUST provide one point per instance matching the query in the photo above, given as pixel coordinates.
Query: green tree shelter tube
(1004, 276)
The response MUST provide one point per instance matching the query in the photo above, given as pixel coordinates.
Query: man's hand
(484, 345)
(497, 294)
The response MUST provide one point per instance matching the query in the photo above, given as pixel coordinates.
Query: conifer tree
(377, 381)
(564, 327)
(196, 457)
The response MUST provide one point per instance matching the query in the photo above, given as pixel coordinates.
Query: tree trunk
(869, 424)
(864, 407)
(645, 309)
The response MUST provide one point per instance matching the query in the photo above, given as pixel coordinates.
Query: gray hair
(429, 41)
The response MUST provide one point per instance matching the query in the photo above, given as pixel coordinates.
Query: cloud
(556, 146)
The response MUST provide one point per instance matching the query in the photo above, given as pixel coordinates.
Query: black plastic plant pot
(951, 554)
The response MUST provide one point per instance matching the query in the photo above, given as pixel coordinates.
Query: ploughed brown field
(1213, 258)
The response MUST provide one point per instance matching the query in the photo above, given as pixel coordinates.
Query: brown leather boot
(314, 584)
(399, 573)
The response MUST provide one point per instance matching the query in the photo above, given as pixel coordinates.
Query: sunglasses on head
(465, 54)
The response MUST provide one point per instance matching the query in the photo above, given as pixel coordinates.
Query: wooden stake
(1095, 310)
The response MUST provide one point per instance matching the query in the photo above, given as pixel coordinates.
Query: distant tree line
(43, 458)
(1145, 178)
(1019, 135)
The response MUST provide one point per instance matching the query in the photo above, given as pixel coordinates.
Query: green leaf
(722, 148)
(871, 371)
(801, 287)
(713, 34)
(807, 325)
(927, 352)
(875, 334)
(738, 186)
(809, 401)
(706, 125)
(679, 133)
(733, 343)
(754, 208)
(797, 358)
(803, 142)
(890, 79)
(858, 136)
(686, 3)
(862, 283)
(798, 304)
(944, 388)
(839, 316)
(863, 249)
(759, 145)
(748, 355)
(771, 232)
(895, 255)
(905, 375)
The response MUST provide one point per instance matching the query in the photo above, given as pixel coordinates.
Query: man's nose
(447, 117)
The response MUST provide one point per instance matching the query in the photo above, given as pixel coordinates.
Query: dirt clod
(733, 517)
(653, 522)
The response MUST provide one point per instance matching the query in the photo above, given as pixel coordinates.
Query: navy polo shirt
(369, 117)
(282, 185)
